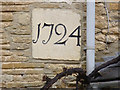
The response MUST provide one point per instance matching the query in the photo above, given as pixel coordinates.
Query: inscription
(60, 41)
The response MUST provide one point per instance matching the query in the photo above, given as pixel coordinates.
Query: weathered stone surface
(22, 65)
(6, 53)
(5, 47)
(15, 59)
(113, 31)
(99, 9)
(97, 30)
(113, 6)
(27, 78)
(65, 51)
(21, 32)
(7, 78)
(21, 39)
(19, 46)
(112, 38)
(101, 22)
(22, 71)
(7, 16)
(11, 8)
(4, 41)
(24, 84)
(100, 37)
(5, 24)
(1, 30)
(47, 5)
(100, 46)
(15, 3)
(22, 18)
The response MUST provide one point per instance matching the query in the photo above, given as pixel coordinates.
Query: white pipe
(90, 36)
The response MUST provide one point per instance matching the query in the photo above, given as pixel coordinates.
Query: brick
(22, 71)
(22, 65)
(7, 16)
(15, 59)
(15, 8)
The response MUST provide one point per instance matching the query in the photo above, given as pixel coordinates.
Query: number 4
(77, 36)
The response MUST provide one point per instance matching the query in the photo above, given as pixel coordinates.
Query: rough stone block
(22, 18)
(5, 24)
(100, 45)
(100, 37)
(113, 6)
(6, 53)
(113, 31)
(15, 8)
(23, 71)
(19, 46)
(15, 59)
(21, 39)
(22, 65)
(7, 16)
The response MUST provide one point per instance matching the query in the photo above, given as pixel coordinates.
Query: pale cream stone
(50, 50)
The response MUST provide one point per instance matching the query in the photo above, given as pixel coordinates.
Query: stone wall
(20, 69)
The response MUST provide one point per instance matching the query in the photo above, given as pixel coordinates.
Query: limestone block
(23, 71)
(6, 53)
(113, 6)
(7, 78)
(112, 38)
(100, 37)
(22, 65)
(15, 3)
(22, 18)
(15, 8)
(97, 30)
(7, 16)
(20, 32)
(19, 46)
(100, 45)
(4, 41)
(5, 24)
(15, 59)
(62, 18)
(101, 22)
(113, 31)
(99, 9)
(21, 39)
(5, 47)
